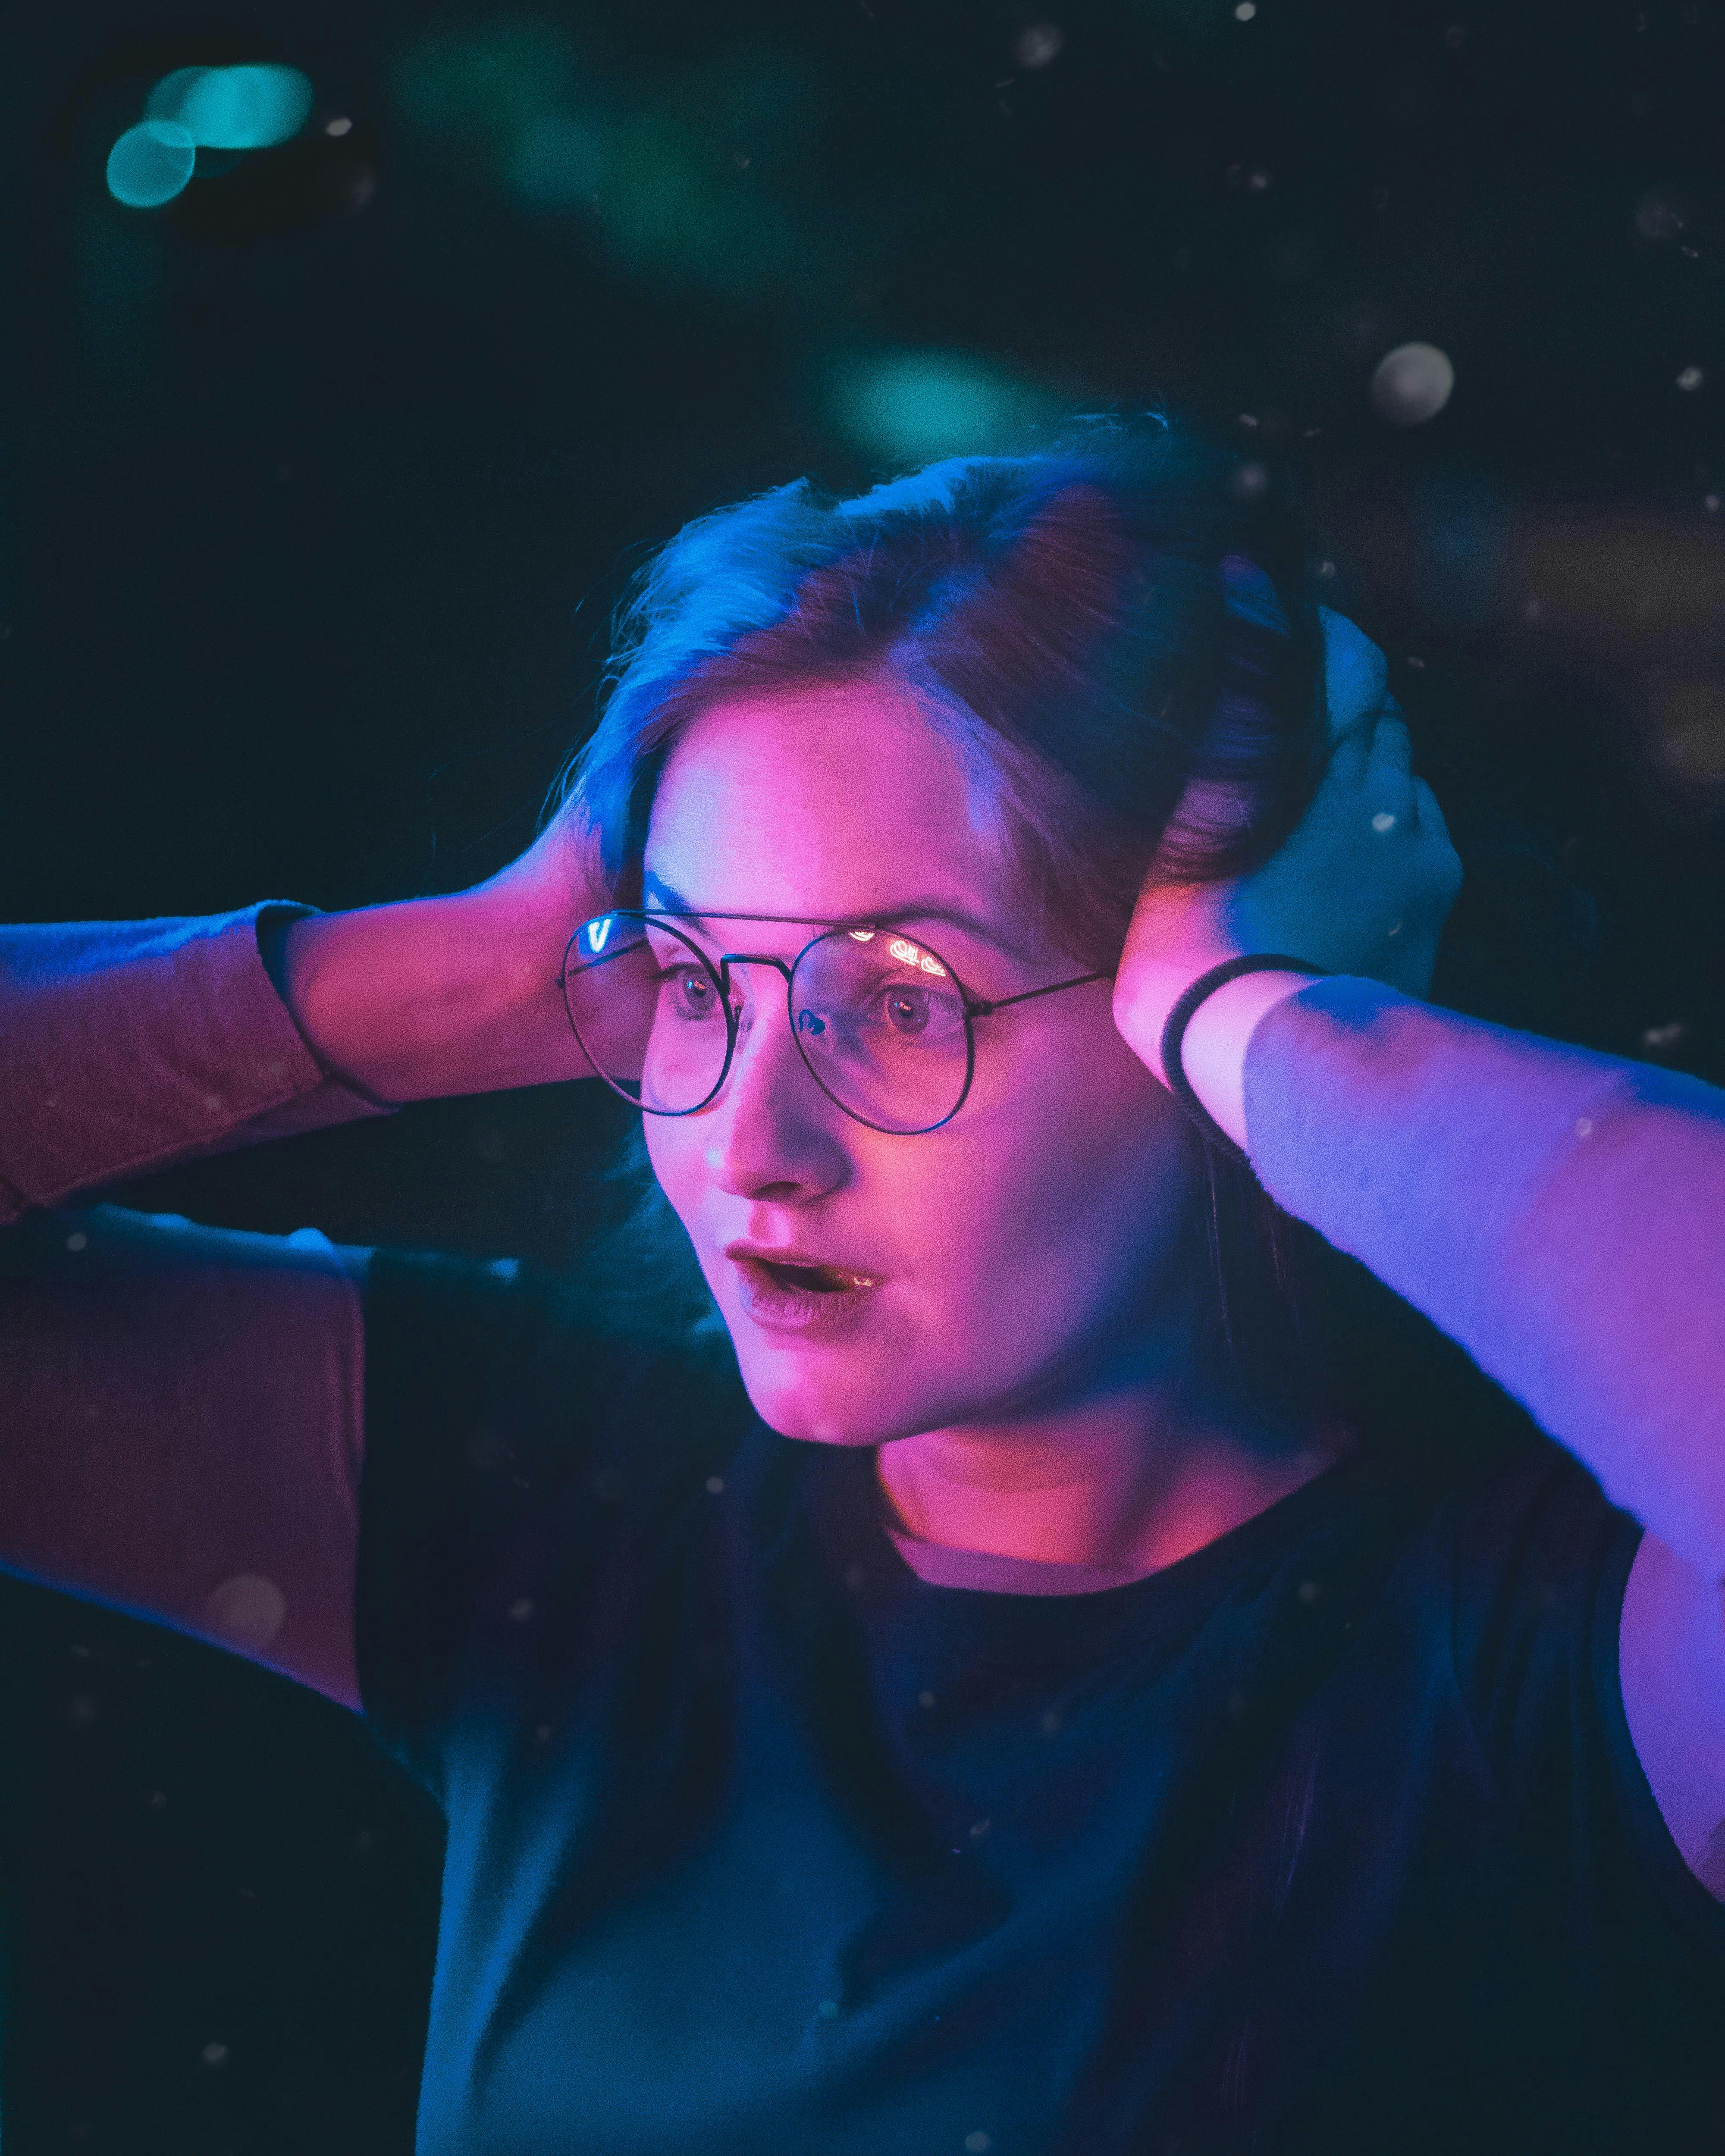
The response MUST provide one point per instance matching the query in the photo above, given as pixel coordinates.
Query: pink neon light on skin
(1448, 1155)
(1022, 1351)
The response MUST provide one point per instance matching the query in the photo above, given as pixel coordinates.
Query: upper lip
(784, 1255)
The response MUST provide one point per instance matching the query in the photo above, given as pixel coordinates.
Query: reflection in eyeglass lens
(877, 1016)
(883, 1040)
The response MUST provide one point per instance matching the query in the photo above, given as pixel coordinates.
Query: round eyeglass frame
(719, 973)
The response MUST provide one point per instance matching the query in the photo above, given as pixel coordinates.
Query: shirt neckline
(949, 1571)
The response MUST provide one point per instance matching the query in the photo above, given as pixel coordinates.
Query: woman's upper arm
(1671, 1666)
(127, 1046)
(1560, 1213)
(183, 1418)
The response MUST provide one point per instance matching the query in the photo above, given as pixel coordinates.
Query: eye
(905, 1010)
(690, 990)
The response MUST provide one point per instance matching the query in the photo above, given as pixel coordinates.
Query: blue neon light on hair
(1094, 625)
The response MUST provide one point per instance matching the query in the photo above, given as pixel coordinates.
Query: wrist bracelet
(1174, 1032)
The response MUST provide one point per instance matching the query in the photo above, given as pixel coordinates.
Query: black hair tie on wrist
(1174, 1032)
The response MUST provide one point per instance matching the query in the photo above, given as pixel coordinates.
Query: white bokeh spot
(248, 1610)
(1412, 384)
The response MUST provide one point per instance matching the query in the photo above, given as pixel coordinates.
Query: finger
(1374, 758)
(1389, 783)
(1428, 816)
(1392, 748)
(1355, 673)
(1350, 758)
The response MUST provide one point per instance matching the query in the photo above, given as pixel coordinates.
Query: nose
(774, 1136)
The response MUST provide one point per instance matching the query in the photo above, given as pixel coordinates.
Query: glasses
(883, 1024)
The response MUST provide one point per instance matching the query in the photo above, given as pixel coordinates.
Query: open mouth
(794, 1294)
(812, 1280)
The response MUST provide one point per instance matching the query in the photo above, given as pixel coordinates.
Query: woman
(994, 1694)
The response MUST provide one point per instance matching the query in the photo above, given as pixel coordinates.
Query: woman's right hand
(456, 994)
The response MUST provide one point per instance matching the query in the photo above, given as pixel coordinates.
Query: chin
(812, 1395)
(821, 1397)
(814, 1413)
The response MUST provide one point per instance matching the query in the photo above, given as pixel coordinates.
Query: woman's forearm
(1560, 1213)
(130, 1045)
(433, 996)
(450, 995)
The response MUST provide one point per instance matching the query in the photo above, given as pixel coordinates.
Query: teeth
(821, 1279)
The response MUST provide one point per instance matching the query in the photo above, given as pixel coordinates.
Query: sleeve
(1538, 1558)
(179, 1429)
(130, 1045)
(520, 1440)
(1560, 1213)
(181, 1417)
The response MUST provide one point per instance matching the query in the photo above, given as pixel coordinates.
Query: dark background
(320, 482)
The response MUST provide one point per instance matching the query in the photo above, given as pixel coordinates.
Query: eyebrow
(671, 901)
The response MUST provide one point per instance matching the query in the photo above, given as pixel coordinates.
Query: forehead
(832, 801)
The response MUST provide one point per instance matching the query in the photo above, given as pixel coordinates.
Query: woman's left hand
(1362, 886)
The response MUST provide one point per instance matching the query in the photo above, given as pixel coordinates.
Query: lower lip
(781, 1309)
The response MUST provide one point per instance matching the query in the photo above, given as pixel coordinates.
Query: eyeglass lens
(878, 1017)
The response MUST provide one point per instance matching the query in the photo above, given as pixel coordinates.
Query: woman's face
(1011, 1259)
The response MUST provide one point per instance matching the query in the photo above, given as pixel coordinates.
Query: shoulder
(466, 1351)
(512, 1422)
(1529, 1551)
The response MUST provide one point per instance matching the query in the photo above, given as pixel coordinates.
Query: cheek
(1065, 1206)
(1037, 1228)
(674, 1146)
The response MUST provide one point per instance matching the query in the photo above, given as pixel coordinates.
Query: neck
(1130, 1475)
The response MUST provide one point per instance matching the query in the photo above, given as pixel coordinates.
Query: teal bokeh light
(559, 160)
(150, 164)
(233, 108)
(479, 88)
(908, 408)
